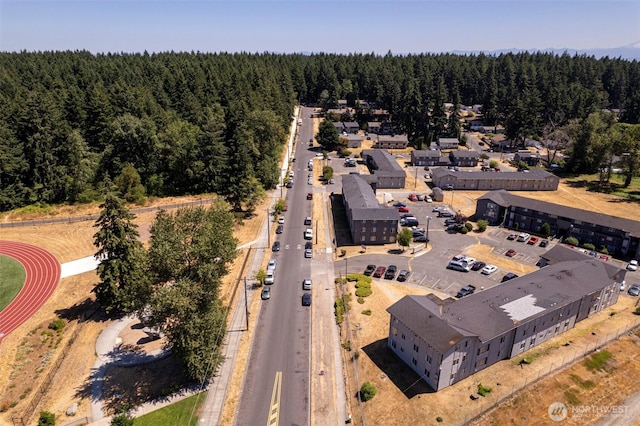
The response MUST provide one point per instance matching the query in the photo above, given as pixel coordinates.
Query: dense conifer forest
(185, 123)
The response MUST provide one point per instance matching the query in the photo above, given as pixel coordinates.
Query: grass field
(183, 412)
(13, 276)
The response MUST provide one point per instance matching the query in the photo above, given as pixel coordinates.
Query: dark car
(290, 184)
(279, 229)
(509, 276)
(478, 265)
(276, 246)
(308, 245)
(544, 243)
(420, 238)
(391, 272)
(403, 275)
(379, 272)
(309, 196)
(369, 270)
(465, 291)
(306, 299)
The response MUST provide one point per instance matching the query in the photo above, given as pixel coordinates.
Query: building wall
(390, 182)
(549, 183)
(373, 232)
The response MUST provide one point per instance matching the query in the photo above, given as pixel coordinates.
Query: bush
(339, 310)
(363, 291)
(482, 225)
(572, 241)
(366, 312)
(588, 246)
(603, 250)
(121, 420)
(363, 284)
(360, 300)
(46, 419)
(367, 391)
(345, 153)
(439, 419)
(57, 325)
(637, 311)
(343, 252)
(469, 226)
(346, 345)
(545, 230)
(358, 277)
(483, 390)
(463, 230)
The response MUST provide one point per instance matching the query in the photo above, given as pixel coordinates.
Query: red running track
(43, 275)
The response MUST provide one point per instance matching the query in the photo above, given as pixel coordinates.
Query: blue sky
(316, 26)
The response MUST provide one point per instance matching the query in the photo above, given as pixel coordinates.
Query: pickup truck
(466, 290)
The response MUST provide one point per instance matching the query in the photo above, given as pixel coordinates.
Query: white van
(270, 277)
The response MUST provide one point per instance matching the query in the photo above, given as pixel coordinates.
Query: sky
(347, 26)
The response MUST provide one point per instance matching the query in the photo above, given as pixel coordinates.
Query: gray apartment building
(429, 157)
(464, 158)
(620, 236)
(445, 341)
(390, 142)
(448, 143)
(382, 165)
(535, 180)
(369, 222)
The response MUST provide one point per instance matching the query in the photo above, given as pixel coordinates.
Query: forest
(75, 123)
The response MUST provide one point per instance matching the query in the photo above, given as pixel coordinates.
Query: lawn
(183, 412)
(13, 276)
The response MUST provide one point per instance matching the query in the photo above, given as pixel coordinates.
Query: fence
(499, 395)
(74, 219)
(80, 422)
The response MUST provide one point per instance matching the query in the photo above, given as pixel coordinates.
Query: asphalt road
(276, 388)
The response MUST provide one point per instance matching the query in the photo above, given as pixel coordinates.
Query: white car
(428, 199)
(281, 220)
(489, 269)
(308, 253)
(308, 234)
(306, 284)
(270, 277)
(523, 237)
(272, 265)
(633, 265)
(470, 260)
(310, 181)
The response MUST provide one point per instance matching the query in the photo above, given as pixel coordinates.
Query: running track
(43, 275)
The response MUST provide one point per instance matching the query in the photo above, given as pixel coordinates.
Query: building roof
(387, 165)
(398, 138)
(448, 141)
(492, 312)
(477, 174)
(363, 202)
(351, 124)
(560, 253)
(465, 154)
(505, 199)
(423, 153)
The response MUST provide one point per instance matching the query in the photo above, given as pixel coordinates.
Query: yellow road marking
(274, 408)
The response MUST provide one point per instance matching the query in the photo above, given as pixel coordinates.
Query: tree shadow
(405, 379)
(86, 310)
(395, 251)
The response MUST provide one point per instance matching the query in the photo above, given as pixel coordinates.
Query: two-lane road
(276, 388)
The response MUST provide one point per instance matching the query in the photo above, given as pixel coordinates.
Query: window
(483, 349)
(402, 336)
(466, 343)
(534, 328)
(522, 345)
(427, 372)
(464, 357)
(394, 331)
(456, 361)
(373, 229)
(416, 348)
(401, 349)
(393, 344)
(502, 339)
(453, 376)
(428, 359)
(414, 361)
(364, 229)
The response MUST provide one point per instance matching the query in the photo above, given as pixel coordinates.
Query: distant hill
(629, 52)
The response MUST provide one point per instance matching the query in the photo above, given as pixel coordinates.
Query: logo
(557, 411)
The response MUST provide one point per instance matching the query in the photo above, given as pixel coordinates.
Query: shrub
(358, 277)
(367, 391)
(469, 226)
(483, 390)
(463, 230)
(588, 246)
(439, 419)
(343, 252)
(572, 241)
(121, 420)
(637, 311)
(339, 310)
(603, 250)
(46, 419)
(360, 300)
(363, 284)
(57, 325)
(366, 312)
(346, 345)
(545, 230)
(363, 291)
(482, 225)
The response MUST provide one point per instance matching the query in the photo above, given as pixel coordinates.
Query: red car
(413, 197)
(403, 210)
(510, 253)
(379, 272)
(533, 241)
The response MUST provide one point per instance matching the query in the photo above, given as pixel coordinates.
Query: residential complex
(535, 180)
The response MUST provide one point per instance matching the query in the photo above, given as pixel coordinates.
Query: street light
(428, 220)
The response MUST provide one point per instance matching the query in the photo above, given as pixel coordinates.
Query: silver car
(306, 284)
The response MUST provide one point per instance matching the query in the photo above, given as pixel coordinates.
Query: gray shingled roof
(465, 154)
(505, 199)
(426, 153)
(477, 174)
(387, 165)
(363, 202)
(494, 311)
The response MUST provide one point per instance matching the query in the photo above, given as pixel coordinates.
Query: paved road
(276, 388)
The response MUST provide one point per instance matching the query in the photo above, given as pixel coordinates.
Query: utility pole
(268, 229)
(246, 303)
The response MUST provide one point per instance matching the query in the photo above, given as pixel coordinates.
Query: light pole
(428, 221)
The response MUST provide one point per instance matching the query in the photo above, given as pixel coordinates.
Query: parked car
(428, 199)
(523, 237)
(391, 272)
(438, 208)
(445, 213)
(272, 265)
(310, 181)
(281, 220)
(478, 265)
(466, 290)
(289, 184)
(403, 275)
(399, 204)
(512, 236)
(309, 195)
(331, 181)
(459, 265)
(544, 243)
(634, 290)
(306, 299)
(420, 239)
(413, 197)
(489, 269)
(370, 269)
(533, 241)
(510, 253)
(279, 229)
(509, 276)
(307, 220)
(270, 277)
(308, 253)
(276, 246)
(308, 245)
(420, 197)
(306, 284)
(448, 187)
(266, 293)
(308, 234)
(633, 265)
(379, 272)
(403, 210)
